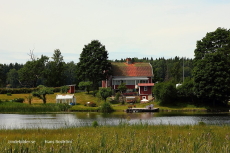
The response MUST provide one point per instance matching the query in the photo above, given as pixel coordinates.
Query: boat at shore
(133, 110)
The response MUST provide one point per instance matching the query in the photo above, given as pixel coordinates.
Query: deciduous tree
(87, 85)
(93, 63)
(42, 92)
(32, 71)
(212, 67)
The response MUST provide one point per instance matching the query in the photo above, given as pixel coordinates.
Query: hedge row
(22, 90)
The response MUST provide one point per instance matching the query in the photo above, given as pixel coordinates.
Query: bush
(63, 107)
(8, 94)
(20, 100)
(95, 124)
(117, 96)
(95, 93)
(64, 89)
(165, 93)
(106, 107)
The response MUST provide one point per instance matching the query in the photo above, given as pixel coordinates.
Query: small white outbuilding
(68, 99)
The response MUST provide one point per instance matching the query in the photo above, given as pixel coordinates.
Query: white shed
(70, 98)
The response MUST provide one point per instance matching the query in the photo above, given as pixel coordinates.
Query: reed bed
(138, 138)
(14, 107)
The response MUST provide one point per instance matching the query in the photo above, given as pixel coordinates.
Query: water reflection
(18, 121)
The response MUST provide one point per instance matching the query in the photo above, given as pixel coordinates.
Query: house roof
(134, 69)
(145, 84)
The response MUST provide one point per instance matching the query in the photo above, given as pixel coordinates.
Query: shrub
(95, 124)
(63, 107)
(165, 93)
(8, 94)
(64, 89)
(117, 96)
(20, 100)
(106, 107)
(95, 93)
(29, 98)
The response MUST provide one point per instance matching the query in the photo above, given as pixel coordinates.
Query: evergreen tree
(55, 70)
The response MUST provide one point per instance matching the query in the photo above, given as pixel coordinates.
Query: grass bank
(142, 138)
(83, 98)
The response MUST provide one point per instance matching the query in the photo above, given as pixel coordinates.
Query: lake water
(52, 121)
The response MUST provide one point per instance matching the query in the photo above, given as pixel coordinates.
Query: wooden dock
(133, 110)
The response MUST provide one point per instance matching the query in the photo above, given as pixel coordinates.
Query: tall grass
(142, 138)
(14, 107)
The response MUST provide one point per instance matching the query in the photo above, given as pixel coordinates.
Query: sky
(127, 28)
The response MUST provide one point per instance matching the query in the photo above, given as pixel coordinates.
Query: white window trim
(145, 88)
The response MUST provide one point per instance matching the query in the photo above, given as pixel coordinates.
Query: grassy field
(140, 138)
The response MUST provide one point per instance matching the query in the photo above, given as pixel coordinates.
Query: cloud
(132, 27)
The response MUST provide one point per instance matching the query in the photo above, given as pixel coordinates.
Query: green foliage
(54, 73)
(106, 107)
(22, 90)
(95, 93)
(185, 91)
(87, 85)
(1, 74)
(16, 107)
(122, 87)
(127, 138)
(8, 94)
(29, 98)
(117, 96)
(64, 89)
(70, 73)
(105, 92)
(12, 78)
(93, 63)
(165, 93)
(42, 92)
(20, 100)
(32, 71)
(63, 107)
(212, 68)
(95, 124)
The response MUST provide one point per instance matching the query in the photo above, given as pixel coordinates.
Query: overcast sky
(127, 28)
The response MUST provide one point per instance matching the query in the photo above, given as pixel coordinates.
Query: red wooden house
(137, 77)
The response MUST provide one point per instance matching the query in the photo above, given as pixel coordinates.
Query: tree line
(52, 72)
(175, 69)
(205, 79)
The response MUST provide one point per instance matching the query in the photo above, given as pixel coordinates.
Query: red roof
(135, 69)
(145, 84)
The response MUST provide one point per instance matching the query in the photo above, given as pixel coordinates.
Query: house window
(143, 81)
(145, 88)
(130, 82)
(116, 82)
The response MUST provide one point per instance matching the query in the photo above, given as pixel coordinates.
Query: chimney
(128, 61)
